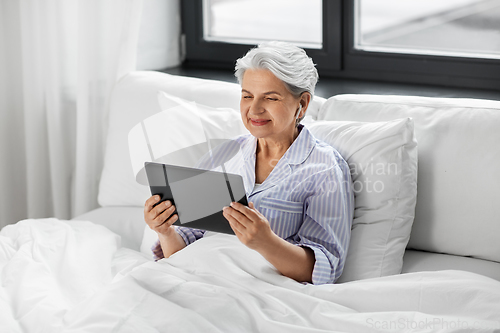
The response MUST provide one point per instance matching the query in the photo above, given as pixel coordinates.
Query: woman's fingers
(237, 216)
(164, 226)
(250, 212)
(237, 227)
(149, 204)
(251, 227)
(244, 215)
(161, 207)
(159, 214)
(163, 212)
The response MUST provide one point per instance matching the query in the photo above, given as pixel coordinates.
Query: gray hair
(286, 61)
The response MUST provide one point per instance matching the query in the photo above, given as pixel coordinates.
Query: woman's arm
(295, 262)
(253, 230)
(171, 242)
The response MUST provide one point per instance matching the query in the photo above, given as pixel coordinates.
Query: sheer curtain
(59, 60)
(159, 45)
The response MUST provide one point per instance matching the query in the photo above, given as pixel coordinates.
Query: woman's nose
(256, 107)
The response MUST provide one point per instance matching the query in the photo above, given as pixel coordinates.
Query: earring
(298, 112)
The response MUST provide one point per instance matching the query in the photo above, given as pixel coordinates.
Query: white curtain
(59, 60)
(160, 36)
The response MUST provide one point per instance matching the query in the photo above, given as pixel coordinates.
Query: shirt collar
(301, 148)
(297, 153)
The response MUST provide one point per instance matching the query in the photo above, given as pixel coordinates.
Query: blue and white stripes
(307, 198)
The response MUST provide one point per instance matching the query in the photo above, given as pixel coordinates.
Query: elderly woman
(301, 200)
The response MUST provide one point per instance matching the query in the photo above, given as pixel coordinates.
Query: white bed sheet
(73, 276)
(418, 261)
(128, 222)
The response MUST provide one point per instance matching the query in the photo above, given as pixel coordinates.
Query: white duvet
(73, 276)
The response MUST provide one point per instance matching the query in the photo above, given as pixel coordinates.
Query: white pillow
(458, 167)
(382, 157)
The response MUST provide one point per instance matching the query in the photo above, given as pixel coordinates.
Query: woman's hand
(158, 217)
(254, 230)
(160, 220)
(249, 225)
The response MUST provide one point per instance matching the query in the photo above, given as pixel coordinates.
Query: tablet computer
(198, 195)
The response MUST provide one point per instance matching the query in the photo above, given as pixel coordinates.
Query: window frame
(416, 68)
(200, 52)
(339, 57)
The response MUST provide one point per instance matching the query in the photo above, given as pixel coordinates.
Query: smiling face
(267, 108)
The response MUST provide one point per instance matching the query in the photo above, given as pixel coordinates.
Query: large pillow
(134, 98)
(382, 157)
(457, 209)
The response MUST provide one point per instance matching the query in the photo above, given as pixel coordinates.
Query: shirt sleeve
(326, 228)
(157, 251)
(189, 235)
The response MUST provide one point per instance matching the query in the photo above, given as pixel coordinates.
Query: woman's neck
(274, 149)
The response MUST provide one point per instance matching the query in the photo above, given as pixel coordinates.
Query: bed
(95, 273)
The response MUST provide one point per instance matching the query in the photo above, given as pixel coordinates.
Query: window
(460, 28)
(208, 47)
(439, 42)
(298, 22)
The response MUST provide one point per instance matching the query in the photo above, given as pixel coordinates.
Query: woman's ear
(305, 99)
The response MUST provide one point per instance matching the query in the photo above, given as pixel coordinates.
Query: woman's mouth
(259, 122)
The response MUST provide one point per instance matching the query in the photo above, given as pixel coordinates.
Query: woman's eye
(272, 99)
(246, 97)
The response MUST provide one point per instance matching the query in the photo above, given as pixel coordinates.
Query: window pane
(468, 28)
(254, 21)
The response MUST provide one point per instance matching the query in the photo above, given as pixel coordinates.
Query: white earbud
(298, 112)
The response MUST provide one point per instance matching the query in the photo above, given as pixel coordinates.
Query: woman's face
(267, 108)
